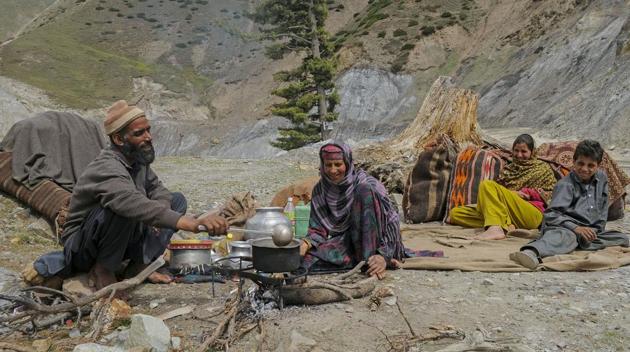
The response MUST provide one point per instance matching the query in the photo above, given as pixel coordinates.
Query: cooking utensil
(269, 258)
(189, 253)
(264, 220)
(240, 249)
(280, 233)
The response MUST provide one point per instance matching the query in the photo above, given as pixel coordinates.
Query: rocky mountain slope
(559, 67)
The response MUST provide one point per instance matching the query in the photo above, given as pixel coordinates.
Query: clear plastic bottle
(289, 212)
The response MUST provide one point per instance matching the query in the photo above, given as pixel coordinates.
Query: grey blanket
(52, 146)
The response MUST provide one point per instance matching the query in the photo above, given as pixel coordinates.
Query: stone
(74, 333)
(156, 303)
(349, 310)
(297, 343)
(390, 301)
(94, 347)
(487, 282)
(530, 299)
(176, 342)
(78, 285)
(41, 228)
(42, 345)
(148, 331)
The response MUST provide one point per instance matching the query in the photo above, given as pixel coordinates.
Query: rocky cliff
(558, 67)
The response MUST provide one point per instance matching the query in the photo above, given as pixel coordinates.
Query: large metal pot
(269, 258)
(264, 220)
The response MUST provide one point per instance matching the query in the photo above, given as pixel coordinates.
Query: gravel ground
(546, 311)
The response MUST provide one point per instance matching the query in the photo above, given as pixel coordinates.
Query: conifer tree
(297, 26)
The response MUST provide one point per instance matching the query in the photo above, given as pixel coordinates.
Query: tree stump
(446, 110)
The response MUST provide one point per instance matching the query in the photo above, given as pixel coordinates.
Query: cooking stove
(269, 284)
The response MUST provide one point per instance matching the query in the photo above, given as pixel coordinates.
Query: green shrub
(399, 32)
(181, 45)
(462, 16)
(408, 46)
(446, 14)
(381, 34)
(428, 30)
(413, 23)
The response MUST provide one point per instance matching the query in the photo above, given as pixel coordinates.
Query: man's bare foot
(491, 233)
(102, 276)
(159, 278)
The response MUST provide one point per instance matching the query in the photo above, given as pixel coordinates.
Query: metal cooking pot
(189, 253)
(240, 249)
(269, 258)
(264, 220)
(189, 257)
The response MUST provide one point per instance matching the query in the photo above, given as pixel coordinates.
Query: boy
(576, 217)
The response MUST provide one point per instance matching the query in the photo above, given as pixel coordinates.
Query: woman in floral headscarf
(352, 219)
(516, 200)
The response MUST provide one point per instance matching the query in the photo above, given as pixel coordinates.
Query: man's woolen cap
(120, 115)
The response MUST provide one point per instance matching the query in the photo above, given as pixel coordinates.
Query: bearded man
(120, 210)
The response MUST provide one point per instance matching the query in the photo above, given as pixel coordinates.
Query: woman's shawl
(532, 173)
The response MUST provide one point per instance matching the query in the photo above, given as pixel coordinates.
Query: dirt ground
(546, 311)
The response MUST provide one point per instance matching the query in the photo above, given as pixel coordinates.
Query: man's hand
(587, 233)
(377, 266)
(214, 224)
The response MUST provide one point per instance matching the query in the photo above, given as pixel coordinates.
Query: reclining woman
(352, 219)
(516, 200)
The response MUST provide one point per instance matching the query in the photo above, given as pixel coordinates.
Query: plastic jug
(302, 217)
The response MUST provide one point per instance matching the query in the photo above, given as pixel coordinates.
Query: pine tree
(298, 26)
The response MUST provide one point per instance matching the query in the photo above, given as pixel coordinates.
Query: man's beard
(143, 154)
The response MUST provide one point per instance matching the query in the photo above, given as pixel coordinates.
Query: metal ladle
(280, 234)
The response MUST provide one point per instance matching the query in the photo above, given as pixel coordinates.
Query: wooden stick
(351, 272)
(50, 290)
(327, 286)
(177, 312)
(261, 336)
(107, 290)
(218, 331)
(413, 333)
(12, 347)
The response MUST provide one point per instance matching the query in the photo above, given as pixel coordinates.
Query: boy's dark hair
(525, 139)
(590, 149)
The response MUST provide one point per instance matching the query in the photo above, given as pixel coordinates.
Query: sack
(300, 191)
(473, 166)
(425, 192)
(47, 198)
(616, 209)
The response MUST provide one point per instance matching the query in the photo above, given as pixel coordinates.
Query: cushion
(473, 165)
(425, 192)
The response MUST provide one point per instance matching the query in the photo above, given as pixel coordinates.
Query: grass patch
(84, 76)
